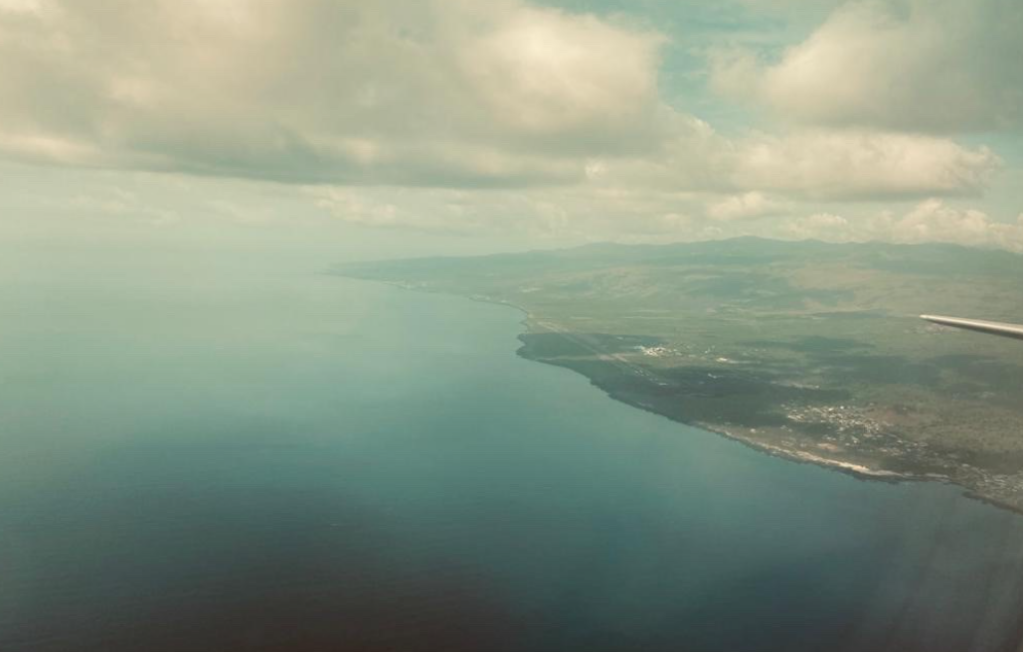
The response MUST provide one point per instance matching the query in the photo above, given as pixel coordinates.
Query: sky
(407, 127)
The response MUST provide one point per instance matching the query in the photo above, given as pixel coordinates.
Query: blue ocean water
(230, 459)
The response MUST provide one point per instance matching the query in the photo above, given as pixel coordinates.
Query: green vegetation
(808, 350)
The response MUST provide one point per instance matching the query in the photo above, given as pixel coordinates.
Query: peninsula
(806, 350)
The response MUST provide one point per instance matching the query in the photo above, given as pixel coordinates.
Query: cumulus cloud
(810, 164)
(932, 221)
(574, 214)
(743, 206)
(503, 117)
(431, 93)
(928, 221)
(819, 226)
(917, 65)
(438, 93)
(862, 165)
(556, 214)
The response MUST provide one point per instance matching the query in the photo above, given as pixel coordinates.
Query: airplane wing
(992, 327)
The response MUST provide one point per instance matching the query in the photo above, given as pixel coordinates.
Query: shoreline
(861, 472)
(857, 471)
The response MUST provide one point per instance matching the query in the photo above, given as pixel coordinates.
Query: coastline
(531, 326)
(858, 471)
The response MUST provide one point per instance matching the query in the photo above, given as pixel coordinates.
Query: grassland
(808, 350)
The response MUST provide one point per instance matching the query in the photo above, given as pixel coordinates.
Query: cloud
(846, 165)
(455, 93)
(563, 214)
(546, 74)
(928, 221)
(112, 201)
(21, 6)
(932, 221)
(350, 206)
(581, 214)
(862, 165)
(917, 65)
(819, 226)
(420, 93)
(744, 206)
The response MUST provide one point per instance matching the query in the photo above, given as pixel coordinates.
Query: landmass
(807, 350)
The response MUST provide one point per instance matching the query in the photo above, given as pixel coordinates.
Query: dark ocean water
(228, 460)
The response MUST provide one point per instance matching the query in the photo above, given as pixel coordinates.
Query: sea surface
(228, 457)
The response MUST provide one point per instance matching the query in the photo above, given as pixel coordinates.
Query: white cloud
(575, 214)
(22, 6)
(112, 201)
(916, 65)
(928, 221)
(862, 165)
(819, 226)
(932, 221)
(435, 93)
(815, 163)
(494, 116)
(349, 206)
(546, 73)
(562, 214)
(743, 206)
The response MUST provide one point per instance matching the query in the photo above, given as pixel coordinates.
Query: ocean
(231, 456)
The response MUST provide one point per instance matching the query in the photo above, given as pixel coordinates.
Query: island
(807, 350)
